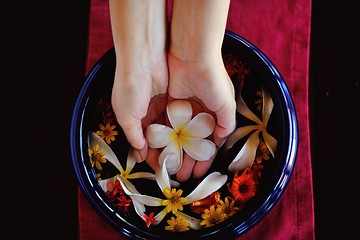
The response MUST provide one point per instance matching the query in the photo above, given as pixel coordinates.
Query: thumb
(226, 123)
(135, 136)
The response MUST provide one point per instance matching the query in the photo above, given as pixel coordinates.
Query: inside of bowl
(252, 78)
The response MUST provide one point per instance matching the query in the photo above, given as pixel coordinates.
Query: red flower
(116, 187)
(123, 203)
(243, 187)
(200, 205)
(149, 219)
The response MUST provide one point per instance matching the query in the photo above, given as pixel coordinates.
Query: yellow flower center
(179, 135)
(124, 175)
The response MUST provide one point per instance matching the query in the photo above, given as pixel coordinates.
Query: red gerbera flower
(243, 187)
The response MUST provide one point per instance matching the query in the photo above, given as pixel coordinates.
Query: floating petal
(144, 199)
(246, 156)
(210, 184)
(131, 160)
(270, 142)
(242, 108)
(268, 106)
(162, 176)
(160, 216)
(104, 183)
(238, 134)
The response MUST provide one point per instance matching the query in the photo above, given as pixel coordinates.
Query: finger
(143, 152)
(135, 136)
(185, 171)
(201, 167)
(152, 158)
(226, 123)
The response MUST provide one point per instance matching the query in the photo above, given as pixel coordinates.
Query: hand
(206, 82)
(138, 99)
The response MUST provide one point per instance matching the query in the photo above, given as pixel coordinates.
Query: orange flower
(243, 187)
(200, 205)
(177, 224)
(96, 157)
(262, 152)
(107, 132)
(228, 207)
(212, 216)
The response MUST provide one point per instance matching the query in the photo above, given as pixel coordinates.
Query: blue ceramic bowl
(250, 70)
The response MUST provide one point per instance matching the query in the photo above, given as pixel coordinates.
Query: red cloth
(281, 29)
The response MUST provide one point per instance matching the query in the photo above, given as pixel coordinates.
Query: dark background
(43, 70)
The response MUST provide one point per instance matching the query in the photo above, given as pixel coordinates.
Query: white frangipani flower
(246, 155)
(185, 134)
(173, 201)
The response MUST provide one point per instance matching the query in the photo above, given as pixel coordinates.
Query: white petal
(201, 126)
(174, 183)
(162, 176)
(238, 134)
(132, 159)
(139, 207)
(267, 106)
(270, 142)
(179, 113)
(104, 183)
(198, 148)
(210, 184)
(158, 136)
(129, 185)
(160, 216)
(146, 175)
(110, 155)
(174, 161)
(194, 222)
(144, 199)
(246, 156)
(242, 108)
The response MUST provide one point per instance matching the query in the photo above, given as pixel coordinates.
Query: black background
(43, 69)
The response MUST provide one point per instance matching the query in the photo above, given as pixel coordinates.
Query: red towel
(280, 29)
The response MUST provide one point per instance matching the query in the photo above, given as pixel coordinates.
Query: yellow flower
(178, 224)
(107, 132)
(96, 157)
(212, 216)
(227, 207)
(126, 173)
(174, 201)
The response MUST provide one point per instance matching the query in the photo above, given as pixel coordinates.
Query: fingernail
(138, 156)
